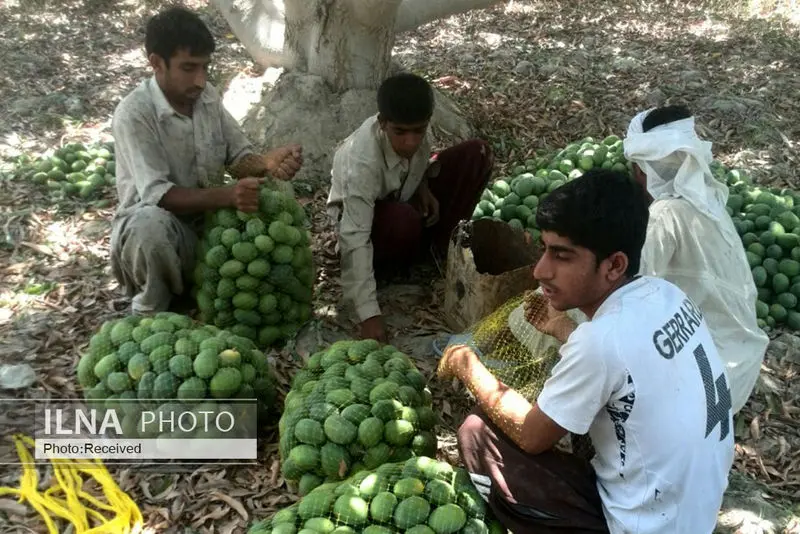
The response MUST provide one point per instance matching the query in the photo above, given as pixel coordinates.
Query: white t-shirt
(644, 379)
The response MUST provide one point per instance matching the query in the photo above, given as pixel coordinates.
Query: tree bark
(346, 42)
(414, 13)
(336, 53)
(260, 26)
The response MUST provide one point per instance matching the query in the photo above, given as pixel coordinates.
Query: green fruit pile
(357, 405)
(418, 496)
(767, 219)
(168, 356)
(515, 198)
(255, 274)
(74, 170)
(768, 222)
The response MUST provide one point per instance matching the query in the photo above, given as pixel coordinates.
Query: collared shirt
(157, 148)
(366, 169)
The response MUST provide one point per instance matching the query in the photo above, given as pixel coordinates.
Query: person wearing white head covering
(691, 240)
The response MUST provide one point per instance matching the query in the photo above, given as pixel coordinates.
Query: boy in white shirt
(642, 377)
(392, 198)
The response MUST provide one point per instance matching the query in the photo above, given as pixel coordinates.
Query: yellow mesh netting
(517, 353)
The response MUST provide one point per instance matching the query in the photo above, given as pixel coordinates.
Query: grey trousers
(152, 257)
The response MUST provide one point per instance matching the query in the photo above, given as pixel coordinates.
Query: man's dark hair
(405, 98)
(603, 210)
(665, 115)
(176, 28)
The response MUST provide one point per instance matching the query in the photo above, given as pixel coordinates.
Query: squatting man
(658, 416)
(391, 198)
(173, 142)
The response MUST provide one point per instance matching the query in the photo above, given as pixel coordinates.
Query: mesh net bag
(254, 273)
(518, 354)
(354, 405)
(418, 496)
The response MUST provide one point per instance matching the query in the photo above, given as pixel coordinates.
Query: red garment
(398, 235)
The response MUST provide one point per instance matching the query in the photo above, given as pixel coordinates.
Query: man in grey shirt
(173, 142)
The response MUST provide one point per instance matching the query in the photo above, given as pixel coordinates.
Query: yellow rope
(64, 500)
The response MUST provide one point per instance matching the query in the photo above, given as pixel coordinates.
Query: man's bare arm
(185, 200)
(250, 165)
(530, 428)
(281, 163)
(242, 196)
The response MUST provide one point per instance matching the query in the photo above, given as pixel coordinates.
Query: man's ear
(616, 265)
(157, 62)
(639, 174)
(382, 121)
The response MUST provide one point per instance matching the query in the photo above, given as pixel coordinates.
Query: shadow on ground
(539, 75)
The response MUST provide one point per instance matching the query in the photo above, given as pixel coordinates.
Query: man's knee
(152, 237)
(479, 146)
(151, 218)
(476, 148)
(396, 226)
(152, 228)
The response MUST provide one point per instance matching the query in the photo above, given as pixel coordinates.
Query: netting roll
(518, 354)
(513, 349)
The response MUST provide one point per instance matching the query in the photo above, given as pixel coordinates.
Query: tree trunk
(414, 13)
(259, 25)
(348, 43)
(335, 54)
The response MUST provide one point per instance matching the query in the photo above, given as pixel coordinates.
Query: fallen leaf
(13, 507)
(755, 429)
(233, 503)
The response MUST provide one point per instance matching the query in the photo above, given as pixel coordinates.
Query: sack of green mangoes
(356, 405)
(254, 275)
(418, 496)
(133, 362)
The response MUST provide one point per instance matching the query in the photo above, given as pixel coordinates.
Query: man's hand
(426, 204)
(373, 328)
(548, 320)
(429, 207)
(455, 362)
(245, 194)
(284, 162)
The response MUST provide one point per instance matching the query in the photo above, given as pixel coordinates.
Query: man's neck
(186, 109)
(591, 309)
(182, 106)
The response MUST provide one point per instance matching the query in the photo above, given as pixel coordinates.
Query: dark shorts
(551, 492)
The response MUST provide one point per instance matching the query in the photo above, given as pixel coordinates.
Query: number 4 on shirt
(718, 395)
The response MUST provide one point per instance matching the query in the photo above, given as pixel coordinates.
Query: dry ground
(533, 75)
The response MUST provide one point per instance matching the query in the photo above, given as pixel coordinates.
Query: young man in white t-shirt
(642, 377)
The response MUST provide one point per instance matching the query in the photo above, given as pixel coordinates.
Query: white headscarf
(676, 163)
